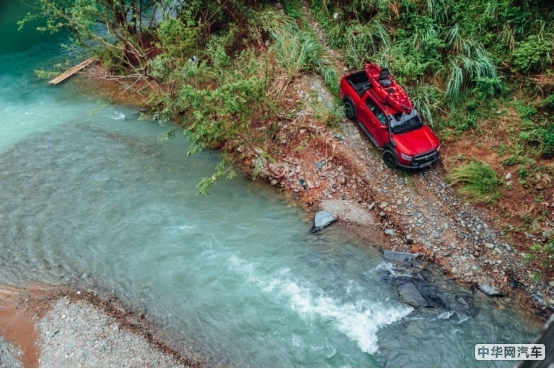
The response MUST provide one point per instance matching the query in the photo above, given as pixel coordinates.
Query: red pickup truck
(385, 113)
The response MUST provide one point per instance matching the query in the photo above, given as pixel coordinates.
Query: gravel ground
(9, 355)
(75, 334)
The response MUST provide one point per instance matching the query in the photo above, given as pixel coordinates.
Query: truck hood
(416, 142)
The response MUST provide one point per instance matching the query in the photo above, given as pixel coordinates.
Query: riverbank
(410, 211)
(359, 189)
(59, 327)
(413, 212)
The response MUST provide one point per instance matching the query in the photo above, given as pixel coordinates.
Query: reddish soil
(17, 311)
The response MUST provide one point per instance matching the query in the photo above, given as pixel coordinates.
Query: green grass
(477, 182)
(296, 51)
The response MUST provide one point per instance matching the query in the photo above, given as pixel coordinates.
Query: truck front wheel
(349, 111)
(390, 159)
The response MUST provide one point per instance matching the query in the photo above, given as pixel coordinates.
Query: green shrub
(478, 182)
(543, 138)
(548, 102)
(532, 55)
(292, 7)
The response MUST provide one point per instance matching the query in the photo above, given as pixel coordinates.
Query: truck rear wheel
(349, 110)
(390, 159)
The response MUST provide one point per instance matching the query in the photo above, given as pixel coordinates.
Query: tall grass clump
(477, 182)
(296, 51)
(299, 51)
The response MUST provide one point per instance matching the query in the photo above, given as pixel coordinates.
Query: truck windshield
(405, 122)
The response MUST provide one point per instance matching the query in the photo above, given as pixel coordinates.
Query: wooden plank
(65, 75)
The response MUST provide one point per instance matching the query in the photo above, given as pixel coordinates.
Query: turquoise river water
(87, 194)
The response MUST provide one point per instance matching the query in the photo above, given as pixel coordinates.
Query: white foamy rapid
(359, 321)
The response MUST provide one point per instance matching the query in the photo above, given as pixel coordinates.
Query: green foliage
(548, 102)
(427, 99)
(299, 51)
(360, 41)
(478, 182)
(542, 138)
(178, 38)
(296, 51)
(222, 169)
(218, 101)
(292, 8)
(454, 47)
(532, 54)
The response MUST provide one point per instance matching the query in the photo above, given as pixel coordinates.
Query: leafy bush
(177, 38)
(548, 102)
(478, 182)
(543, 138)
(532, 55)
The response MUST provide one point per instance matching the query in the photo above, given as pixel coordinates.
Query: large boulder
(322, 220)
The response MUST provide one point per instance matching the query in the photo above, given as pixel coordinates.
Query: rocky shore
(78, 329)
(415, 212)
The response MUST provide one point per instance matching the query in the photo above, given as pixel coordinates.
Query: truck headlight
(439, 148)
(406, 157)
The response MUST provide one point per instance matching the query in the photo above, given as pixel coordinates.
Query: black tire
(390, 159)
(349, 110)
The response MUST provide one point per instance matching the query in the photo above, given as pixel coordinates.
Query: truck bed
(359, 82)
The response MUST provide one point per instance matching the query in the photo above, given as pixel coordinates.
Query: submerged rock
(410, 294)
(489, 291)
(322, 220)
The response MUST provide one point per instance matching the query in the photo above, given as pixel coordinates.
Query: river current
(88, 195)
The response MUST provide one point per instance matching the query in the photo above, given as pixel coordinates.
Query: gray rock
(322, 220)
(489, 291)
(389, 232)
(398, 256)
(350, 212)
(538, 299)
(410, 294)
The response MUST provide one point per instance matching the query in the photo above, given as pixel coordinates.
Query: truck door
(378, 122)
